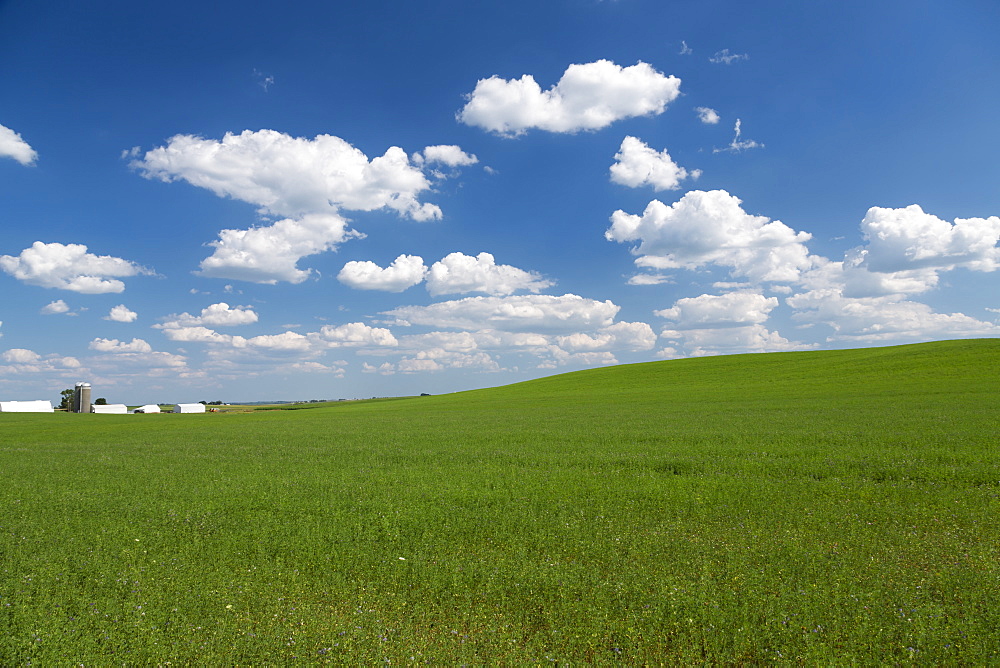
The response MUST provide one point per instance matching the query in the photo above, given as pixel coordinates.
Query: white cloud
(354, 334)
(116, 346)
(57, 306)
(635, 336)
(649, 279)
(20, 356)
(13, 146)
(284, 342)
(589, 96)
(197, 334)
(306, 182)
(404, 272)
(638, 165)
(385, 369)
(886, 318)
(685, 49)
(69, 267)
(270, 254)
(738, 144)
(523, 313)
(711, 228)
(707, 115)
(459, 273)
(907, 238)
(20, 361)
(728, 340)
(214, 315)
(437, 359)
(121, 313)
(293, 176)
(714, 311)
(445, 154)
(723, 324)
(727, 58)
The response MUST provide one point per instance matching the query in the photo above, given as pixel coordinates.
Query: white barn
(115, 409)
(148, 408)
(189, 408)
(38, 406)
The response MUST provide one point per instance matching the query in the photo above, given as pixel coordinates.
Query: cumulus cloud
(707, 115)
(284, 342)
(354, 334)
(197, 334)
(728, 340)
(726, 58)
(723, 324)
(20, 361)
(634, 336)
(711, 228)
(20, 356)
(712, 311)
(459, 273)
(69, 267)
(738, 144)
(639, 165)
(57, 306)
(880, 319)
(907, 239)
(13, 146)
(905, 254)
(271, 253)
(589, 96)
(214, 315)
(306, 182)
(437, 359)
(292, 176)
(121, 313)
(404, 272)
(445, 154)
(116, 346)
(523, 313)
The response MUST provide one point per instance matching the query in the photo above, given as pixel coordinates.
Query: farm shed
(148, 408)
(116, 409)
(37, 406)
(189, 408)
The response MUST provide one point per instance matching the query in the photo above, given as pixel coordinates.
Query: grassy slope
(820, 506)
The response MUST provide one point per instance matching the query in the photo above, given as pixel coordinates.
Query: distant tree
(101, 401)
(203, 403)
(66, 399)
(424, 394)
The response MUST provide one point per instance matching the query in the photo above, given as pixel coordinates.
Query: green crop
(836, 507)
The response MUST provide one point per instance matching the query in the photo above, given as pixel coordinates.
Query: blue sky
(205, 201)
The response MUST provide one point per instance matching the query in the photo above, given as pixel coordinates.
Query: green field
(835, 507)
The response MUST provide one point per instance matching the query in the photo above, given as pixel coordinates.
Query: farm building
(148, 408)
(189, 408)
(116, 409)
(38, 406)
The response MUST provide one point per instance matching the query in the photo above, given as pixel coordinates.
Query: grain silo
(81, 398)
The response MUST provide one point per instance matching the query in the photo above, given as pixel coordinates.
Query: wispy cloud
(685, 49)
(263, 80)
(727, 58)
(738, 144)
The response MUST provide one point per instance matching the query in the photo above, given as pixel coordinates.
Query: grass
(834, 507)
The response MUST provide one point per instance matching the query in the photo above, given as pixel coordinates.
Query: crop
(834, 507)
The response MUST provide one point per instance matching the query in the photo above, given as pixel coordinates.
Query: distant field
(835, 507)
